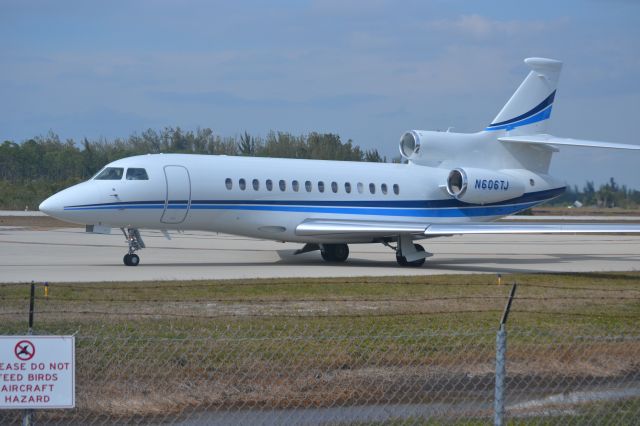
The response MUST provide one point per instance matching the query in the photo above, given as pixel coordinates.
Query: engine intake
(410, 144)
(480, 186)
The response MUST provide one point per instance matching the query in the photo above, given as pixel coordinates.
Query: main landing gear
(408, 253)
(134, 240)
(336, 253)
(402, 261)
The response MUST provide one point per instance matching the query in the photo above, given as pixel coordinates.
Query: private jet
(450, 184)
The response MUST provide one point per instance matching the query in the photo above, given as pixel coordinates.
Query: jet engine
(431, 148)
(480, 186)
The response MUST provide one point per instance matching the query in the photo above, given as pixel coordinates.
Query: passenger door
(178, 199)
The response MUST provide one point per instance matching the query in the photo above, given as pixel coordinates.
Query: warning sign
(37, 372)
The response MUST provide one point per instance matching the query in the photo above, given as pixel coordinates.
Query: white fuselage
(204, 192)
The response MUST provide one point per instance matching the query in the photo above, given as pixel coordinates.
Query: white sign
(37, 372)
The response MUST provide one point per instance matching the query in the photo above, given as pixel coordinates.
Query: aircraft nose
(52, 206)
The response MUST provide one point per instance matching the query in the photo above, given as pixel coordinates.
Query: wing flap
(326, 227)
(549, 140)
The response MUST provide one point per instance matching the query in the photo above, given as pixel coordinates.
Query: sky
(367, 70)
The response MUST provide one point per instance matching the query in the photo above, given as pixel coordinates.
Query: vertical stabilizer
(529, 109)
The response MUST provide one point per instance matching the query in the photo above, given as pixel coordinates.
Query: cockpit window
(110, 173)
(137, 174)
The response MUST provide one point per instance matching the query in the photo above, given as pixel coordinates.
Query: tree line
(36, 168)
(608, 195)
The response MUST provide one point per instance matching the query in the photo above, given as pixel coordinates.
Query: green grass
(331, 341)
(445, 302)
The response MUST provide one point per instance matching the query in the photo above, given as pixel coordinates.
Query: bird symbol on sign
(24, 350)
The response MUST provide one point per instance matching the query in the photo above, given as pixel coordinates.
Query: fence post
(501, 349)
(27, 417)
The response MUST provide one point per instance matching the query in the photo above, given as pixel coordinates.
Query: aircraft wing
(333, 228)
(543, 139)
(531, 228)
(327, 227)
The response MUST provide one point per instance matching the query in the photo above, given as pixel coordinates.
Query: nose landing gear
(134, 240)
(131, 259)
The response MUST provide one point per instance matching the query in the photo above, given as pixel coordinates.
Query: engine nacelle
(431, 148)
(410, 144)
(480, 186)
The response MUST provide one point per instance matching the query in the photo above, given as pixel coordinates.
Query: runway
(71, 255)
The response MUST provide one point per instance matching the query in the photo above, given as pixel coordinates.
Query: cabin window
(228, 183)
(256, 184)
(283, 185)
(396, 189)
(334, 187)
(372, 188)
(383, 188)
(110, 173)
(308, 186)
(242, 184)
(136, 174)
(347, 187)
(295, 185)
(269, 184)
(321, 186)
(360, 187)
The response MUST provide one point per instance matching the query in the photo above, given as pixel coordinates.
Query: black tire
(335, 252)
(134, 260)
(402, 261)
(127, 259)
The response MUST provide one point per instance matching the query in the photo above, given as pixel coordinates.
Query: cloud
(480, 27)
(351, 8)
(93, 122)
(370, 40)
(229, 100)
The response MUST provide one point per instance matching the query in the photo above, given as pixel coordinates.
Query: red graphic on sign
(24, 350)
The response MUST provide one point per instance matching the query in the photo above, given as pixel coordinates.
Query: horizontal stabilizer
(527, 228)
(543, 139)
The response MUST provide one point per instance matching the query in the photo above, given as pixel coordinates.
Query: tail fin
(529, 109)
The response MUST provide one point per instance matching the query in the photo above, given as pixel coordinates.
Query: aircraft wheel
(134, 260)
(402, 261)
(335, 252)
(131, 259)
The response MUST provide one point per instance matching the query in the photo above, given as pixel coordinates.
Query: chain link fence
(429, 367)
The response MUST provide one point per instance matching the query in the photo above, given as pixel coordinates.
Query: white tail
(529, 109)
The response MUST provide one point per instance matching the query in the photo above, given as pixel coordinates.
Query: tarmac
(71, 255)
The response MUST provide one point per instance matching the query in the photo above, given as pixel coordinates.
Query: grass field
(603, 299)
(302, 343)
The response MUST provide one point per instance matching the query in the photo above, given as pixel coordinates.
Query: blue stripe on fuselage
(437, 212)
(448, 203)
(424, 208)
